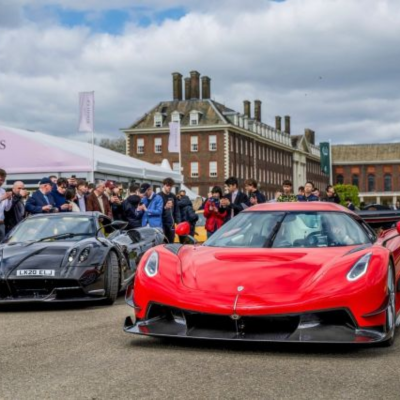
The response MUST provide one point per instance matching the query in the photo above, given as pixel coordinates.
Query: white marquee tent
(29, 155)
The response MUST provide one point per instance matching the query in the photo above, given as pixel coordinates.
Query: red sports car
(295, 272)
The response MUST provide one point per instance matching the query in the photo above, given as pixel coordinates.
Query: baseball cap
(109, 184)
(45, 181)
(144, 187)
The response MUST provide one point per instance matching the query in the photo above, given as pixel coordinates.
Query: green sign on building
(325, 157)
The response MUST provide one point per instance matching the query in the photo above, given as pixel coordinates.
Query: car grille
(268, 327)
(39, 288)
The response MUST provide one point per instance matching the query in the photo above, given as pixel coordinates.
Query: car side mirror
(183, 230)
(398, 227)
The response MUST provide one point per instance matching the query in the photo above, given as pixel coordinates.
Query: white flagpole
(180, 151)
(93, 161)
(330, 163)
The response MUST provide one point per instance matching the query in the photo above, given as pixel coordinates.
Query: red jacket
(214, 218)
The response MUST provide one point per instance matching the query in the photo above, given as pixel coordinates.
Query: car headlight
(151, 267)
(72, 255)
(84, 254)
(359, 268)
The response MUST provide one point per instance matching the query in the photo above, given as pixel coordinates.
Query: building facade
(373, 168)
(218, 142)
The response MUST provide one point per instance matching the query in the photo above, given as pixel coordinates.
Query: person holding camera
(130, 208)
(214, 213)
(151, 206)
(58, 194)
(235, 201)
(171, 214)
(17, 211)
(42, 200)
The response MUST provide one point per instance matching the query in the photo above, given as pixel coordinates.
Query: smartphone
(73, 176)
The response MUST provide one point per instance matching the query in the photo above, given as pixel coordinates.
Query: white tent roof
(27, 152)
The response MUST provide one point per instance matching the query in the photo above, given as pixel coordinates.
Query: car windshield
(289, 230)
(46, 226)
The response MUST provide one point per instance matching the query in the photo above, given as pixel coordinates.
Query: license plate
(36, 272)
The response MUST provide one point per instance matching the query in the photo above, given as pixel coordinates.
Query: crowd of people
(141, 206)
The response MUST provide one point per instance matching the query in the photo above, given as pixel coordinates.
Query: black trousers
(169, 233)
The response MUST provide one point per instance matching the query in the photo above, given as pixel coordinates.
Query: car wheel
(391, 310)
(111, 278)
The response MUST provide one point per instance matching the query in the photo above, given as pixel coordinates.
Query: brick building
(373, 168)
(218, 142)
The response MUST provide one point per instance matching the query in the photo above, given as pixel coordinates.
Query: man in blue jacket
(58, 193)
(152, 205)
(42, 201)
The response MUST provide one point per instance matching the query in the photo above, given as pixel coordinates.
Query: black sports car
(70, 257)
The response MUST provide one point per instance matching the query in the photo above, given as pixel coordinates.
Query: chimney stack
(205, 87)
(177, 85)
(278, 123)
(187, 89)
(310, 135)
(287, 124)
(194, 85)
(257, 110)
(246, 106)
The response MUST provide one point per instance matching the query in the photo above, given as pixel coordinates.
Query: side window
(370, 232)
(104, 223)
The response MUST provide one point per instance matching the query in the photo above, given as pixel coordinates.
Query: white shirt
(81, 201)
(5, 205)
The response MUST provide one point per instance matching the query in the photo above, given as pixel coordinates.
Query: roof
(36, 152)
(343, 154)
(300, 206)
(211, 113)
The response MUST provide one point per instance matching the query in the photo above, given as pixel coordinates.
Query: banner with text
(325, 155)
(86, 112)
(174, 140)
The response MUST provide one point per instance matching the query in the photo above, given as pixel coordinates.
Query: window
(140, 146)
(387, 183)
(194, 118)
(213, 169)
(354, 180)
(175, 117)
(158, 145)
(194, 143)
(158, 120)
(339, 179)
(371, 183)
(175, 166)
(212, 142)
(194, 169)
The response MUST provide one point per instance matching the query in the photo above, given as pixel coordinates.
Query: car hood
(33, 256)
(256, 271)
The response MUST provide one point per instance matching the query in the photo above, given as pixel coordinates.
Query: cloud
(330, 64)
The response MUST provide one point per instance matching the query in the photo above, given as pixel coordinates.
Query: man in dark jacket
(17, 211)
(171, 214)
(235, 201)
(42, 201)
(58, 193)
(331, 196)
(187, 213)
(130, 208)
(308, 193)
(256, 197)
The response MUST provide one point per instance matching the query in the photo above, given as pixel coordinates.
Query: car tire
(111, 278)
(391, 310)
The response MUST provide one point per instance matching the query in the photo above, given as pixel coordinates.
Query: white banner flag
(174, 140)
(86, 112)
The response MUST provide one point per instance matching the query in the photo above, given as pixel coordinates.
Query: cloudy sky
(333, 65)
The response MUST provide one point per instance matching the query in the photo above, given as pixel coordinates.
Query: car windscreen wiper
(60, 236)
(274, 232)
